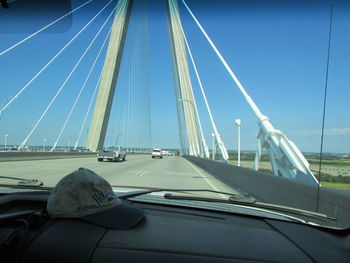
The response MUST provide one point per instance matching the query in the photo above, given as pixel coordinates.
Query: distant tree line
(333, 179)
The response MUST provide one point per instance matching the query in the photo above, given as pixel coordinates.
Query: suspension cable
(200, 84)
(86, 79)
(88, 110)
(61, 88)
(45, 27)
(251, 103)
(53, 58)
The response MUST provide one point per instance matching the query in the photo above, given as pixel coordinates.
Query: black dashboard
(166, 234)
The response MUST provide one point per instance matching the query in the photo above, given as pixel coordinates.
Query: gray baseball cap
(84, 194)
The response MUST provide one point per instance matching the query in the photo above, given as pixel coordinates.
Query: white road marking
(150, 168)
(145, 172)
(205, 178)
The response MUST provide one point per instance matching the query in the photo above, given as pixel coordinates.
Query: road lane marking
(150, 169)
(206, 179)
(145, 172)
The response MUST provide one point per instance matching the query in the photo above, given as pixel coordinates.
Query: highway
(137, 170)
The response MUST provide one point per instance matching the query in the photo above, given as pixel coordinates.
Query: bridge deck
(137, 170)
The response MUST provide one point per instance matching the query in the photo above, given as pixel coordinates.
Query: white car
(166, 153)
(157, 153)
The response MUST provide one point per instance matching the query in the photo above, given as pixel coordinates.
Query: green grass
(335, 185)
(339, 161)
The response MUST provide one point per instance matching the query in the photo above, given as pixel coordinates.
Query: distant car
(83, 150)
(111, 153)
(9, 149)
(166, 153)
(157, 153)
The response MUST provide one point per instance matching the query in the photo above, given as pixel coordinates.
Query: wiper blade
(144, 192)
(24, 182)
(239, 198)
(249, 201)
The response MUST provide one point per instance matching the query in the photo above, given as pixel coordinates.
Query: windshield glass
(112, 148)
(241, 96)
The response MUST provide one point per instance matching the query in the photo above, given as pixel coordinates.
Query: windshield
(244, 97)
(112, 148)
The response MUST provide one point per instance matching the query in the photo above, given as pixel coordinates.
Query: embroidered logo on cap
(102, 196)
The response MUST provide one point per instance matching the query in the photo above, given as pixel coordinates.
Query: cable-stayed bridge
(110, 26)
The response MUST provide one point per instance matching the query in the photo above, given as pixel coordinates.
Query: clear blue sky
(277, 49)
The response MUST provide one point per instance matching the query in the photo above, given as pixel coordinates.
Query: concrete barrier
(28, 156)
(278, 190)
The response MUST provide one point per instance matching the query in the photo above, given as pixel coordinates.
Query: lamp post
(116, 141)
(3, 105)
(205, 147)
(68, 145)
(5, 143)
(238, 124)
(213, 152)
(44, 144)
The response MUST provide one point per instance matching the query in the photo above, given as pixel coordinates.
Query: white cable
(86, 79)
(200, 84)
(235, 79)
(58, 92)
(38, 31)
(52, 59)
(88, 110)
(93, 95)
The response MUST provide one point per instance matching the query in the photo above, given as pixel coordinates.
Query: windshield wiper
(246, 200)
(148, 191)
(24, 182)
(243, 199)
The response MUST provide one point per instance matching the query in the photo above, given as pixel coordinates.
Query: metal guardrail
(26, 156)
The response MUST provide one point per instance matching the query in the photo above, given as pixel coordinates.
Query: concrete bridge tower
(185, 102)
(104, 99)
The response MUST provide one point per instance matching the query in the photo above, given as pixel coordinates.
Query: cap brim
(122, 216)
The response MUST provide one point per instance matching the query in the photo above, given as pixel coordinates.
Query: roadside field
(336, 185)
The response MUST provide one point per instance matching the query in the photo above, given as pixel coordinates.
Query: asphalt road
(137, 170)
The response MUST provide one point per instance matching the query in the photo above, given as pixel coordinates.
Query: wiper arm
(249, 201)
(24, 182)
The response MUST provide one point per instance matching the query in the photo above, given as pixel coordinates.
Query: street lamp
(213, 152)
(205, 148)
(116, 141)
(238, 124)
(68, 145)
(4, 102)
(44, 144)
(6, 135)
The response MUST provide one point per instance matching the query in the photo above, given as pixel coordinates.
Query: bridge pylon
(104, 99)
(185, 101)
